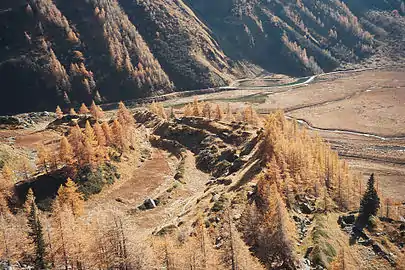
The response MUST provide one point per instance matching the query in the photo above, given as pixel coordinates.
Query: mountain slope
(67, 52)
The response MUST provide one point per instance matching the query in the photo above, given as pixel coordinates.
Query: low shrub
(92, 181)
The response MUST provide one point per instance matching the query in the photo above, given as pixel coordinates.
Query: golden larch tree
(25, 167)
(66, 155)
(96, 111)
(206, 112)
(6, 187)
(72, 111)
(76, 140)
(124, 116)
(8, 174)
(161, 111)
(100, 136)
(90, 134)
(277, 233)
(218, 113)
(83, 109)
(107, 133)
(250, 116)
(59, 113)
(229, 115)
(70, 196)
(61, 234)
(43, 158)
(28, 201)
(196, 108)
(119, 136)
(188, 110)
(88, 154)
(153, 107)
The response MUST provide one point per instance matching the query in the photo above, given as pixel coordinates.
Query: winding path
(347, 131)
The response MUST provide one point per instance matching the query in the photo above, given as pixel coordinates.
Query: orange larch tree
(196, 108)
(43, 158)
(76, 140)
(59, 112)
(72, 111)
(100, 136)
(70, 196)
(119, 136)
(206, 112)
(26, 168)
(83, 109)
(96, 111)
(188, 110)
(107, 133)
(218, 113)
(124, 116)
(66, 155)
(90, 144)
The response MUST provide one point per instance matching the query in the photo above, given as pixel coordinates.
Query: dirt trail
(151, 180)
(181, 200)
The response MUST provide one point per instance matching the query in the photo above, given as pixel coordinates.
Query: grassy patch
(254, 98)
(323, 252)
(220, 204)
(175, 185)
(92, 181)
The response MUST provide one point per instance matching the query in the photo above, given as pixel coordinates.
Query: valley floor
(360, 113)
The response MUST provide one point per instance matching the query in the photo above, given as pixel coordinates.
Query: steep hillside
(181, 42)
(299, 37)
(67, 52)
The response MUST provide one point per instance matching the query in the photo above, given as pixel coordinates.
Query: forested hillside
(67, 52)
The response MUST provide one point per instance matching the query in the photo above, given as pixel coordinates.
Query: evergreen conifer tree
(370, 203)
(36, 235)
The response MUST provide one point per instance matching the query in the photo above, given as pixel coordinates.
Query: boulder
(364, 242)
(166, 230)
(236, 165)
(228, 155)
(377, 249)
(343, 221)
(297, 219)
(215, 198)
(308, 252)
(224, 181)
(149, 204)
(306, 208)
